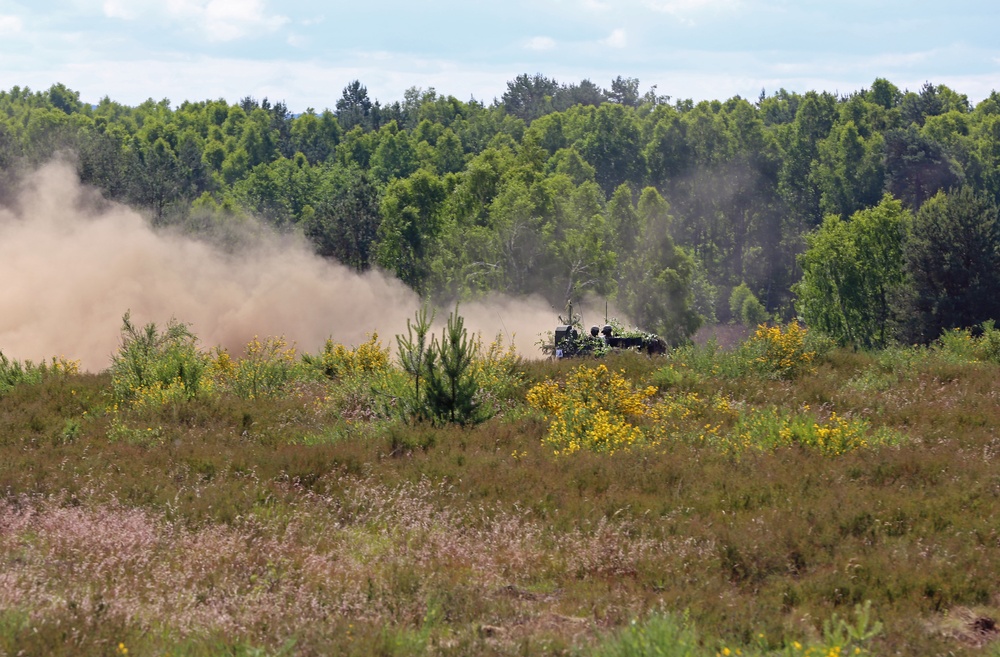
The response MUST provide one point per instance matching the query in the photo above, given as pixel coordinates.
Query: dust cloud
(71, 265)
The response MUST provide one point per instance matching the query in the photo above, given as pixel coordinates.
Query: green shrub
(780, 352)
(745, 308)
(451, 386)
(413, 356)
(708, 360)
(772, 427)
(958, 343)
(968, 347)
(153, 366)
(14, 372)
(659, 636)
(496, 370)
(338, 362)
(988, 343)
(266, 369)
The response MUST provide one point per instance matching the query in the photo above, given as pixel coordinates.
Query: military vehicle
(569, 340)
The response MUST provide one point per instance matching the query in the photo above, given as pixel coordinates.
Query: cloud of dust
(71, 266)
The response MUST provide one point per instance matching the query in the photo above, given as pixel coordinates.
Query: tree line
(854, 211)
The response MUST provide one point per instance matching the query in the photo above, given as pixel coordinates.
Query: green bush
(14, 372)
(496, 369)
(968, 347)
(338, 362)
(156, 366)
(659, 636)
(451, 386)
(266, 369)
(745, 308)
(413, 358)
(988, 343)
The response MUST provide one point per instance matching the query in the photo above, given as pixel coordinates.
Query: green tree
(449, 157)
(624, 91)
(395, 156)
(316, 136)
(745, 308)
(624, 221)
(585, 93)
(668, 152)
(848, 171)
(953, 264)
(578, 242)
(411, 222)
(413, 354)
(529, 97)
(884, 93)
(814, 118)
(613, 146)
(851, 273)
(282, 192)
(568, 161)
(657, 294)
(345, 222)
(354, 108)
(516, 217)
(917, 167)
(103, 161)
(157, 180)
(451, 386)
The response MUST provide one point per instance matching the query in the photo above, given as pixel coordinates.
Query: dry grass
(256, 527)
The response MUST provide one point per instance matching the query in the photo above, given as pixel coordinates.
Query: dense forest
(871, 215)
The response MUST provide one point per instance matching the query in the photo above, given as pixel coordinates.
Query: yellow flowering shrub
(337, 361)
(781, 352)
(14, 372)
(691, 415)
(601, 411)
(595, 410)
(771, 428)
(153, 366)
(265, 370)
(159, 393)
(62, 366)
(495, 370)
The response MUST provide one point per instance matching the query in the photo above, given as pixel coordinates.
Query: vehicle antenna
(505, 331)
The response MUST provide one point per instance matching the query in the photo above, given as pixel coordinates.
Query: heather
(782, 496)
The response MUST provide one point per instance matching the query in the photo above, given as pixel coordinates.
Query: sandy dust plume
(69, 272)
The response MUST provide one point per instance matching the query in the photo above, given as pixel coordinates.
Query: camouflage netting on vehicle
(570, 341)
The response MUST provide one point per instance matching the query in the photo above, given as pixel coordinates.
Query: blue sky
(305, 52)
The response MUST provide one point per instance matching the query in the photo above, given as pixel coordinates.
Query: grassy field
(784, 498)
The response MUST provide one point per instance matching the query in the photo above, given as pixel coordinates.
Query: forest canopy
(871, 215)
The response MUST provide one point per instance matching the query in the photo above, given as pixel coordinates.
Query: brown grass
(227, 533)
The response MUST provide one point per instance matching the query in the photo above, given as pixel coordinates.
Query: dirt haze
(71, 265)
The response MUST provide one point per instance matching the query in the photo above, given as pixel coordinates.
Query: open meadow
(783, 497)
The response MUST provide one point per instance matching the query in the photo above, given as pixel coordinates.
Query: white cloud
(540, 43)
(122, 9)
(10, 25)
(617, 39)
(218, 20)
(685, 8)
(226, 20)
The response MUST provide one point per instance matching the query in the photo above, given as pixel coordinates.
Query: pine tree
(451, 388)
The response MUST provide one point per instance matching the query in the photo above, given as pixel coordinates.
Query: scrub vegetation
(824, 486)
(782, 497)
